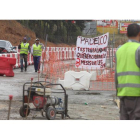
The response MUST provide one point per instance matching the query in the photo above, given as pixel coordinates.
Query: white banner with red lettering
(91, 52)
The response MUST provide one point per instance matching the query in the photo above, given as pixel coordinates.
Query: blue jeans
(36, 62)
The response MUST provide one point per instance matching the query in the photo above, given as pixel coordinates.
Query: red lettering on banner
(100, 40)
(89, 62)
(82, 39)
(78, 48)
(93, 41)
(102, 66)
(90, 56)
(86, 40)
(83, 49)
(77, 62)
(96, 41)
(94, 62)
(83, 62)
(105, 39)
(92, 51)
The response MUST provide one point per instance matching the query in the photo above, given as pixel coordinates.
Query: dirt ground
(75, 111)
(98, 106)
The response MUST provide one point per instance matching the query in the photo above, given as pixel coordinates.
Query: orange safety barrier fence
(104, 80)
(55, 69)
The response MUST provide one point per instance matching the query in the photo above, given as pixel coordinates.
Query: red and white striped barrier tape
(62, 53)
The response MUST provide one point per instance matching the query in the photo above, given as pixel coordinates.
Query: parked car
(6, 47)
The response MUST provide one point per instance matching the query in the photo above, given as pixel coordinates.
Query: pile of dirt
(14, 32)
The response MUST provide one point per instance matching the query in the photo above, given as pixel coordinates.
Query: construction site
(69, 70)
(73, 82)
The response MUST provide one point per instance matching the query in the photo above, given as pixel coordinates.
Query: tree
(59, 31)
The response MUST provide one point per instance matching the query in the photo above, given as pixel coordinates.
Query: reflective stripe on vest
(129, 85)
(37, 50)
(132, 73)
(24, 49)
(128, 73)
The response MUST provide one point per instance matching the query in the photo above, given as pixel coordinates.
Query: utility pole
(44, 55)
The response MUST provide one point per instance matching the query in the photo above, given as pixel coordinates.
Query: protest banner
(91, 52)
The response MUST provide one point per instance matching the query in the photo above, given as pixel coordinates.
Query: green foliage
(59, 31)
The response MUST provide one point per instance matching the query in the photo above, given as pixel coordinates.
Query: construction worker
(36, 52)
(24, 48)
(127, 75)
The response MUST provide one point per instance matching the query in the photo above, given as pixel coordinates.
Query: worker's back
(128, 73)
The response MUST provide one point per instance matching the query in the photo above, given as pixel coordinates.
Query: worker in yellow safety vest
(127, 75)
(24, 48)
(37, 52)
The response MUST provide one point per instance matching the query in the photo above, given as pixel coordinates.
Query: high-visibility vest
(24, 49)
(37, 50)
(128, 73)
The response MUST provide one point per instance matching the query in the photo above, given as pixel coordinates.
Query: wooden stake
(10, 98)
